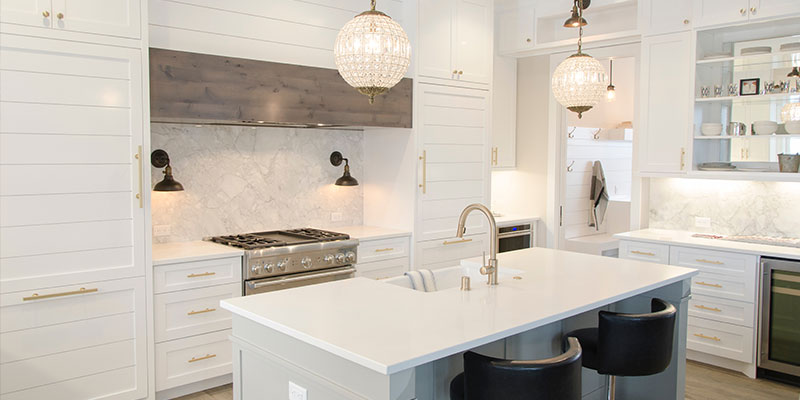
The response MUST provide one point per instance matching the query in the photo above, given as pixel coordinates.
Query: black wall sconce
(160, 159)
(346, 179)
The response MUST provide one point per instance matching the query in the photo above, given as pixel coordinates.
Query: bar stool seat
(629, 344)
(487, 378)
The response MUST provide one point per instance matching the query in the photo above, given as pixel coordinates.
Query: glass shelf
(778, 57)
(773, 136)
(793, 97)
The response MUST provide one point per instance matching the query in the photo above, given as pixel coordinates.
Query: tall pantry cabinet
(74, 200)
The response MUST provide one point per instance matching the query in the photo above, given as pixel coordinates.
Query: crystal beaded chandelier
(579, 82)
(372, 52)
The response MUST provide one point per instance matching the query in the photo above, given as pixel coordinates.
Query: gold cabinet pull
(207, 310)
(643, 253)
(46, 14)
(702, 307)
(703, 260)
(742, 11)
(714, 338)
(205, 357)
(37, 296)
(494, 156)
(383, 250)
(447, 243)
(138, 157)
(686, 22)
(753, 10)
(60, 15)
(199, 275)
(710, 284)
(424, 159)
(683, 156)
(461, 72)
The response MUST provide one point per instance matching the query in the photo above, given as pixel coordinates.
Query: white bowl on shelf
(792, 127)
(765, 127)
(711, 129)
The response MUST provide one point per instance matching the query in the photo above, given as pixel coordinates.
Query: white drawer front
(657, 253)
(384, 249)
(720, 339)
(383, 269)
(722, 310)
(724, 286)
(183, 361)
(193, 312)
(716, 262)
(191, 275)
(445, 253)
(54, 344)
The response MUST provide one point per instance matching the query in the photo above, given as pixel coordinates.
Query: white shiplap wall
(299, 32)
(583, 150)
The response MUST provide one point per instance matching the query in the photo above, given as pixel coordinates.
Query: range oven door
(779, 330)
(296, 280)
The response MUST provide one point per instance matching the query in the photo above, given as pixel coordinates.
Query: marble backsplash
(735, 207)
(243, 179)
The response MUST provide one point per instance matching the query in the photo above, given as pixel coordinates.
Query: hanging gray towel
(598, 196)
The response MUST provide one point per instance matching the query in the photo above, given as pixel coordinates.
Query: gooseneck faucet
(491, 268)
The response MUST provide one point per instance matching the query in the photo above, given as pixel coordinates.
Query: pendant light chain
(580, 27)
(372, 3)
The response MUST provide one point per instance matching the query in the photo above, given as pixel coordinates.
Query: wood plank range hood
(196, 88)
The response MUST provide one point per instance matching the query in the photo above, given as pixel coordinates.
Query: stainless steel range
(278, 260)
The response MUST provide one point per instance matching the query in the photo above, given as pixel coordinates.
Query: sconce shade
(346, 179)
(160, 159)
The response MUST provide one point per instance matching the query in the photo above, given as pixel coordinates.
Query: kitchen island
(368, 339)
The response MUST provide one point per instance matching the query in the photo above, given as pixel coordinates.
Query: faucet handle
(484, 270)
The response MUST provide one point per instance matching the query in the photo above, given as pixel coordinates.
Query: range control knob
(255, 268)
(269, 268)
(306, 262)
(328, 258)
(282, 264)
(340, 258)
(351, 257)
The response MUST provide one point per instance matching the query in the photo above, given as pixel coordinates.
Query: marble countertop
(685, 238)
(389, 328)
(365, 232)
(170, 253)
(509, 219)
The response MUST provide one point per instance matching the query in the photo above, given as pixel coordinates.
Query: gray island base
(366, 339)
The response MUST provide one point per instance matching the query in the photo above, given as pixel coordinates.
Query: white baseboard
(194, 387)
(748, 369)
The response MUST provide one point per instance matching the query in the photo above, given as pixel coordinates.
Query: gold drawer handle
(37, 296)
(199, 275)
(383, 250)
(702, 307)
(447, 243)
(205, 357)
(424, 159)
(193, 312)
(139, 196)
(714, 338)
(643, 253)
(703, 260)
(710, 284)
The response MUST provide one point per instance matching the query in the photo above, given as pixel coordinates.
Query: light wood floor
(703, 382)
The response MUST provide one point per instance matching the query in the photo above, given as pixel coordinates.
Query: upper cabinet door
(436, 33)
(720, 12)
(106, 17)
(473, 46)
(665, 102)
(773, 8)
(666, 16)
(27, 12)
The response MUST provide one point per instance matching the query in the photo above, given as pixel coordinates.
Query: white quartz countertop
(685, 238)
(170, 253)
(505, 220)
(389, 328)
(365, 232)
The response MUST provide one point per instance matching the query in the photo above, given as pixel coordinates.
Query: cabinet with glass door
(747, 99)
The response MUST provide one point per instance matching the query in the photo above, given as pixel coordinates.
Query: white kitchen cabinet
(504, 113)
(383, 258)
(666, 16)
(193, 359)
(722, 12)
(436, 254)
(665, 103)
(106, 17)
(515, 29)
(457, 42)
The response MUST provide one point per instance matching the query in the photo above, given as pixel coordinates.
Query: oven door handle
(280, 281)
(515, 234)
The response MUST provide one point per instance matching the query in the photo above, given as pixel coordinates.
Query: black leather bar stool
(487, 378)
(629, 344)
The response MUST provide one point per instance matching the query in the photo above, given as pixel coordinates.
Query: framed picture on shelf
(749, 87)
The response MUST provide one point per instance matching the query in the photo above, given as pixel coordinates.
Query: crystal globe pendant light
(372, 52)
(580, 81)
